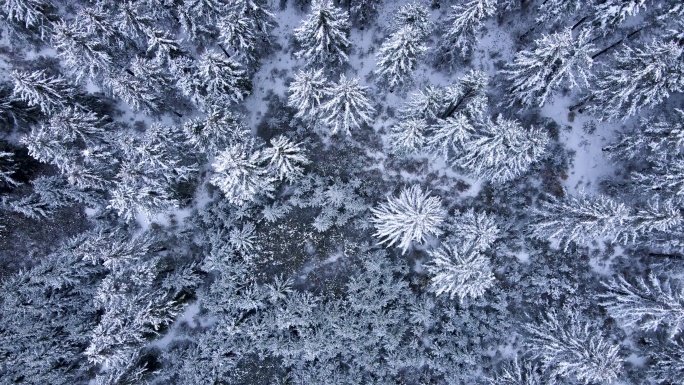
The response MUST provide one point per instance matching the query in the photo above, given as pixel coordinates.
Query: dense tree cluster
(341, 192)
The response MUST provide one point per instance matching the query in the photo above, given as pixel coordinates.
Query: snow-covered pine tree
(559, 10)
(460, 270)
(200, 17)
(71, 125)
(239, 172)
(502, 150)
(398, 56)
(49, 93)
(133, 91)
(237, 33)
(408, 136)
(33, 15)
(557, 60)
(609, 14)
(285, 158)
(414, 15)
(639, 78)
(581, 219)
(323, 35)
(307, 92)
(214, 132)
(647, 304)
(98, 22)
(348, 108)
(7, 168)
(516, 373)
(151, 166)
(223, 79)
(464, 22)
(258, 11)
(363, 10)
(85, 57)
(450, 135)
(584, 219)
(413, 216)
(574, 349)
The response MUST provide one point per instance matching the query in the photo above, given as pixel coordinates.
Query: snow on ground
(590, 164)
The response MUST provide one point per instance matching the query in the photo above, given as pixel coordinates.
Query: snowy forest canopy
(342, 192)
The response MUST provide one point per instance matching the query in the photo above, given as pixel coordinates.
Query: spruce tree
(323, 35)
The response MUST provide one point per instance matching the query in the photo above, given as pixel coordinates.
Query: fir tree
(49, 93)
(408, 136)
(640, 78)
(415, 16)
(323, 35)
(7, 168)
(239, 173)
(413, 216)
(307, 92)
(464, 22)
(574, 349)
(647, 303)
(223, 79)
(398, 56)
(460, 270)
(611, 13)
(285, 158)
(558, 60)
(348, 107)
(84, 56)
(214, 132)
(502, 150)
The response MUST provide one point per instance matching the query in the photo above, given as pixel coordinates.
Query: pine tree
(98, 23)
(223, 79)
(213, 133)
(460, 270)
(408, 136)
(450, 135)
(515, 373)
(323, 35)
(307, 92)
(415, 16)
(581, 219)
(398, 56)
(285, 158)
(30, 14)
(348, 107)
(199, 17)
(258, 11)
(49, 93)
(640, 78)
(574, 349)
(503, 150)
(240, 174)
(413, 216)
(646, 304)
(238, 33)
(559, 10)
(611, 13)
(7, 168)
(84, 56)
(463, 23)
(133, 92)
(557, 60)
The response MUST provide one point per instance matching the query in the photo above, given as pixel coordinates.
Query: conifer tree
(412, 216)
(240, 174)
(640, 78)
(558, 60)
(464, 21)
(348, 107)
(223, 79)
(84, 56)
(307, 93)
(574, 350)
(398, 56)
(49, 93)
(502, 150)
(323, 35)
